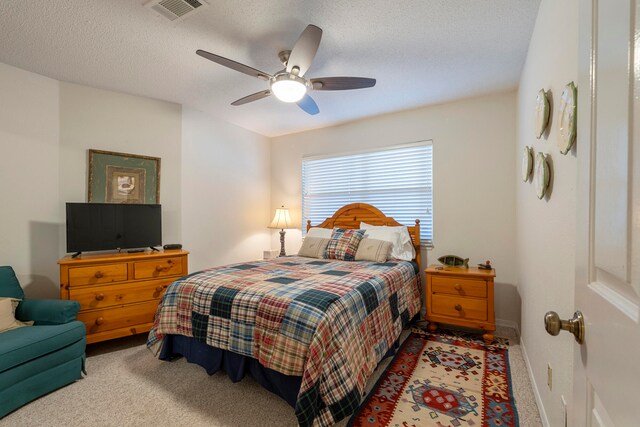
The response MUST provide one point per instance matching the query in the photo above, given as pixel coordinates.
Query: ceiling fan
(289, 84)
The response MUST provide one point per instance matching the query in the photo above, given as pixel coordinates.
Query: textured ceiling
(420, 51)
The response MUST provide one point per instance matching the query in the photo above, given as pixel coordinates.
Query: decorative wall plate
(567, 118)
(527, 163)
(542, 176)
(542, 112)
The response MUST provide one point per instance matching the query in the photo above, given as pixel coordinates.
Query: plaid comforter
(329, 322)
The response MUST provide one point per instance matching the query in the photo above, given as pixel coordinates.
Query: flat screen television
(107, 226)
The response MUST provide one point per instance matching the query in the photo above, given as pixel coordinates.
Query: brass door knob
(99, 297)
(553, 324)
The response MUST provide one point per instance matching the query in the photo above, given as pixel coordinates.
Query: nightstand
(461, 296)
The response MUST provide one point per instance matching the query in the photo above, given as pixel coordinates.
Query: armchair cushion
(21, 345)
(9, 285)
(48, 311)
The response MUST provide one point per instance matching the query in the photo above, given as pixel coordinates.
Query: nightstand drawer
(459, 286)
(97, 274)
(158, 268)
(463, 308)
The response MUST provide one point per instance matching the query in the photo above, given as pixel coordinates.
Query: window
(398, 181)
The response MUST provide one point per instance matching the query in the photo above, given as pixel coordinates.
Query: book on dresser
(119, 292)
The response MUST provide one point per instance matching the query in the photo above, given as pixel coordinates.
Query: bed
(310, 330)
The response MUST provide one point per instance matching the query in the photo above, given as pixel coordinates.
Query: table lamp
(281, 220)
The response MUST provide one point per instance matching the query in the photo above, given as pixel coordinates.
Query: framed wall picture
(123, 178)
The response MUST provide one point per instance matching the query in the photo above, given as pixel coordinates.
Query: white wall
(225, 191)
(474, 185)
(214, 185)
(112, 121)
(546, 232)
(30, 216)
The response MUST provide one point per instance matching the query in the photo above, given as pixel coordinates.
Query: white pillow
(324, 233)
(402, 246)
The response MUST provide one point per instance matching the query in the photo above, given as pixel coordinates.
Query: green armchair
(35, 360)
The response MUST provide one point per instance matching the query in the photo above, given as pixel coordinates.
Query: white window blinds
(398, 181)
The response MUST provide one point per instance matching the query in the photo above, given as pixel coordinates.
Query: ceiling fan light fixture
(288, 87)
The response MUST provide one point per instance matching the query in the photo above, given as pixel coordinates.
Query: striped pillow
(313, 247)
(373, 250)
(343, 244)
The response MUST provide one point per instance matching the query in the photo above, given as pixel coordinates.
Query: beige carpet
(127, 386)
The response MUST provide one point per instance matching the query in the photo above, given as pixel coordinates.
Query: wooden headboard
(350, 216)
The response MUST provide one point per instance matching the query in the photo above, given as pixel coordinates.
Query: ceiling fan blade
(304, 50)
(252, 97)
(234, 65)
(342, 83)
(308, 105)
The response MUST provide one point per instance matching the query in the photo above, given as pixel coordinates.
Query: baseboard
(508, 324)
(534, 386)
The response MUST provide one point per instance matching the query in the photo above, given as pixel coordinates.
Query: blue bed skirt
(236, 366)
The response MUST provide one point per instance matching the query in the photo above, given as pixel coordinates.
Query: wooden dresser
(461, 296)
(119, 292)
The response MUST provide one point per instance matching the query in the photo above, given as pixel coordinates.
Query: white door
(607, 366)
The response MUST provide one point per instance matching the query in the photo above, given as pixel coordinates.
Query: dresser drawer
(158, 268)
(118, 317)
(459, 286)
(97, 274)
(106, 296)
(458, 307)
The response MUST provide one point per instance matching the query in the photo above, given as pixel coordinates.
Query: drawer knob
(159, 289)
(99, 297)
(160, 268)
(99, 321)
(458, 307)
(457, 287)
(99, 274)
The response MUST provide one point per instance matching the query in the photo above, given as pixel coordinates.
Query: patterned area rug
(449, 378)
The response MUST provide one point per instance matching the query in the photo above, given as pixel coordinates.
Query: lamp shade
(281, 219)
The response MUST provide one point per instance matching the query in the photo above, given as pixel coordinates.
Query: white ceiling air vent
(176, 10)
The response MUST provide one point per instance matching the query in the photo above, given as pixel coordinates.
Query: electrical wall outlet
(549, 376)
(564, 411)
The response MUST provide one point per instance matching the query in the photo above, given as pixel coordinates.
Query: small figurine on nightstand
(485, 266)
